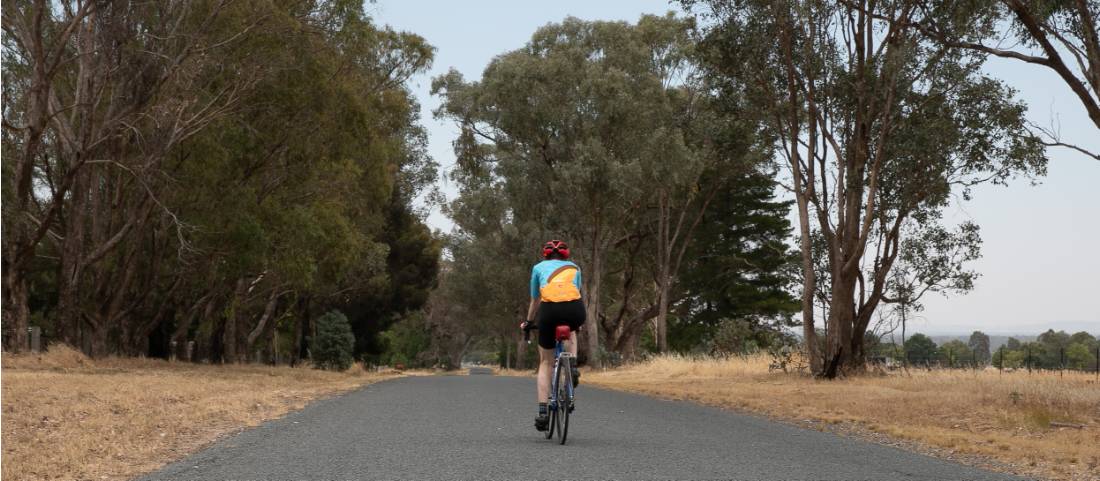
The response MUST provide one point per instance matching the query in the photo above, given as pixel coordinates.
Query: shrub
(334, 343)
(408, 342)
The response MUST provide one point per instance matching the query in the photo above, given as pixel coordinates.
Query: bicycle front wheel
(564, 387)
(553, 413)
(552, 409)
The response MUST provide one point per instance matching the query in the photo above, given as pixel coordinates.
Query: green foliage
(979, 346)
(332, 345)
(289, 182)
(878, 135)
(1080, 356)
(919, 348)
(596, 132)
(955, 353)
(739, 336)
(1051, 350)
(1013, 344)
(407, 342)
(1084, 338)
(739, 265)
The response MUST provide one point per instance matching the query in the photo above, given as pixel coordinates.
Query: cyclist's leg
(546, 368)
(546, 363)
(576, 320)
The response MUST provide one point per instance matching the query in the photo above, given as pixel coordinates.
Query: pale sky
(1040, 266)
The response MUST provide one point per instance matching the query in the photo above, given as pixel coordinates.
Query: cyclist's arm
(534, 295)
(531, 308)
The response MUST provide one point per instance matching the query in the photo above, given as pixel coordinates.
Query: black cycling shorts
(554, 314)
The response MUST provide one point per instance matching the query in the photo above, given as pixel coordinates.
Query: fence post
(1062, 373)
(173, 349)
(1028, 362)
(1001, 361)
(190, 350)
(35, 338)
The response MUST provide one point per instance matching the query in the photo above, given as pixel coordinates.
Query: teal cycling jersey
(540, 275)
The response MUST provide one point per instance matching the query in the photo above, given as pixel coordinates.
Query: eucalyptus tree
(878, 126)
(208, 170)
(101, 111)
(597, 132)
(1057, 35)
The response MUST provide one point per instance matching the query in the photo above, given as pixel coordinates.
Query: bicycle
(561, 402)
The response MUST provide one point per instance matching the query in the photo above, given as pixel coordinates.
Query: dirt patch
(68, 417)
(1012, 422)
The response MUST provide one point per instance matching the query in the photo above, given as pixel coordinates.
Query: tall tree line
(634, 140)
(604, 134)
(212, 171)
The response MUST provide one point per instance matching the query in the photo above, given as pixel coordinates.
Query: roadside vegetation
(203, 179)
(67, 416)
(1044, 423)
(671, 152)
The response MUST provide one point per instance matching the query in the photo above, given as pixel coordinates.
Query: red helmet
(555, 246)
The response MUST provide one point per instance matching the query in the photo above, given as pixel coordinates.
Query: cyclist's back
(556, 294)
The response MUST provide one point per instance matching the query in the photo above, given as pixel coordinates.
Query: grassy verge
(68, 417)
(1006, 421)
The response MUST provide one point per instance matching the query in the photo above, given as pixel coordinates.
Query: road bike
(562, 398)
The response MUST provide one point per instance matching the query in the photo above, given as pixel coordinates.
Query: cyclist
(556, 295)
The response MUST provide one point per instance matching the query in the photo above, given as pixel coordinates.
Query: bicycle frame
(559, 349)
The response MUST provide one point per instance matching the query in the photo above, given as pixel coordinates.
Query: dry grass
(68, 417)
(967, 415)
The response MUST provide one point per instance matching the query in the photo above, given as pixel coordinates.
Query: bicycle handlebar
(527, 331)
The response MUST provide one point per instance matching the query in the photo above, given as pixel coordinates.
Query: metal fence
(1002, 359)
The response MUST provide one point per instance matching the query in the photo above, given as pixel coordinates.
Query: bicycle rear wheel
(565, 386)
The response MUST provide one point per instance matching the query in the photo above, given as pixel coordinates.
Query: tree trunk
(69, 310)
(662, 310)
(229, 335)
(179, 336)
(809, 280)
(261, 326)
(301, 330)
(16, 311)
(521, 352)
(592, 306)
(809, 286)
(839, 354)
(97, 337)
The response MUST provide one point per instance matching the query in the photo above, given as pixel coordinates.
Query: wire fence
(1003, 359)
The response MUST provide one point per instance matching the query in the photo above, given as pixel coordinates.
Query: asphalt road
(480, 427)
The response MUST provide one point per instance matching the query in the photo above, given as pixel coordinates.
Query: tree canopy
(210, 172)
(599, 133)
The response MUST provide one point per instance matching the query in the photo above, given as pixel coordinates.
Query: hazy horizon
(1039, 256)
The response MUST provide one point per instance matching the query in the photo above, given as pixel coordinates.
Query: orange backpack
(560, 287)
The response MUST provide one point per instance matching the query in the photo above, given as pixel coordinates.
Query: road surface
(480, 427)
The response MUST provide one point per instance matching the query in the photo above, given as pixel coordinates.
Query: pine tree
(742, 266)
